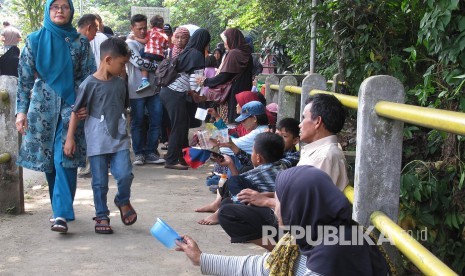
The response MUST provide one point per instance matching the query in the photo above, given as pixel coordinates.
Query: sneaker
(152, 158)
(145, 83)
(140, 160)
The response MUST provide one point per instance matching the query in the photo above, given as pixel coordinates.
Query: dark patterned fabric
(44, 107)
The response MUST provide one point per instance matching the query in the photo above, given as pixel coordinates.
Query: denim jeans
(121, 169)
(149, 143)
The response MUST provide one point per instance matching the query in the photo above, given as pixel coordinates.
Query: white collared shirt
(326, 155)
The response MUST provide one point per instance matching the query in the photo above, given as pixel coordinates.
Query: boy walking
(105, 97)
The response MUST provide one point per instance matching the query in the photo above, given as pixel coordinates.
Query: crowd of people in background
(76, 85)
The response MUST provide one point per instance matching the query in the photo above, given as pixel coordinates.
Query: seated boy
(288, 128)
(105, 97)
(267, 151)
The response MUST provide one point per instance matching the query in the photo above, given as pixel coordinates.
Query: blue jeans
(121, 169)
(149, 143)
(62, 181)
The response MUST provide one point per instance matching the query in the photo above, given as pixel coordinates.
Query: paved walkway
(28, 247)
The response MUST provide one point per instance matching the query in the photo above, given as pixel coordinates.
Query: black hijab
(193, 55)
(309, 198)
(9, 62)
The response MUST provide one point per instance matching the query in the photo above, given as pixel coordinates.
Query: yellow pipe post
(412, 249)
(4, 158)
(449, 121)
(349, 193)
(293, 89)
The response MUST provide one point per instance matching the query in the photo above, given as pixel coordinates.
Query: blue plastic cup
(165, 234)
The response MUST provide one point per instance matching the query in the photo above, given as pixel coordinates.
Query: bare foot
(210, 220)
(210, 208)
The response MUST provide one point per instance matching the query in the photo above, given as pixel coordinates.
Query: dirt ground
(28, 247)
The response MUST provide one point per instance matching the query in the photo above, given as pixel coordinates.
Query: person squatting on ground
(105, 97)
(144, 143)
(321, 121)
(156, 42)
(254, 119)
(174, 96)
(267, 152)
(54, 62)
(306, 198)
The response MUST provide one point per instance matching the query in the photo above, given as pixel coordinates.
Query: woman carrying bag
(236, 68)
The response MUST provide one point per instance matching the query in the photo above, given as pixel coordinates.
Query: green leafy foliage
(431, 202)
(31, 13)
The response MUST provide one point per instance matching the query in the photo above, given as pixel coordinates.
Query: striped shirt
(184, 82)
(251, 265)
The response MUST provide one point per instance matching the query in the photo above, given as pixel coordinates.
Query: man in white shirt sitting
(323, 118)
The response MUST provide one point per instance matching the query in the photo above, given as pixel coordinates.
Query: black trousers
(175, 104)
(244, 223)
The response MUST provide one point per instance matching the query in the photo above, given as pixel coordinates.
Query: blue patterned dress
(44, 107)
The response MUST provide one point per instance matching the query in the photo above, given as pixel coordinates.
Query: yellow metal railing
(411, 248)
(449, 121)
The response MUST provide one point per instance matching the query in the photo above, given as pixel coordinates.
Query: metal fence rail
(452, 122)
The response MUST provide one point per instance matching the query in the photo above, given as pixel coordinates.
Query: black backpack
(166, 72)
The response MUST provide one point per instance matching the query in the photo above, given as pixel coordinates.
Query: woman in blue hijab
(53, 63)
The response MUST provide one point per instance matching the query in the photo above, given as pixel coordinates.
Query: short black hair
(114, 47)
(6, 23)
(157, 21)
(290, 125)
(210, 61)
(330, 109)
(270, 146)
(138, 18)
(86, 20)
(262, 119)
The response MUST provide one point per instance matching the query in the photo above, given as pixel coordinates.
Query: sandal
(101, 228)
(127, 214)
(60, 225)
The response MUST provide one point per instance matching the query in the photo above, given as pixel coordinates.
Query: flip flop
(127, 214)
